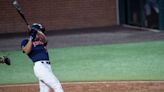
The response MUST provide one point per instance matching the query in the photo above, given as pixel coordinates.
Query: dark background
(58, 14)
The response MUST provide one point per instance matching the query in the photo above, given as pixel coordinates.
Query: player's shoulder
(25, 40)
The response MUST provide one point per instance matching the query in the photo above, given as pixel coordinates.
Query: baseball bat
(19, 10)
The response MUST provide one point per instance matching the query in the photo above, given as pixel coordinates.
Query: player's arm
(27, 44)
(27, 48)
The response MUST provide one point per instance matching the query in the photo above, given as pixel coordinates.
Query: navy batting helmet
(38, 27)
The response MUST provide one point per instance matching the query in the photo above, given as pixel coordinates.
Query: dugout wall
(142, 13)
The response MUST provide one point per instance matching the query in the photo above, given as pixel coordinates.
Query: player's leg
(57, 87)
(52, 81)
(55, 84)
(43, 87)
(40, 72)
(43, 72)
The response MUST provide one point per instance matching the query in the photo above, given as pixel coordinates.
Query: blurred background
(89, 40)
(76, 14)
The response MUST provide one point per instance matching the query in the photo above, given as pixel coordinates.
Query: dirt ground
(108, 86)
(86, 37)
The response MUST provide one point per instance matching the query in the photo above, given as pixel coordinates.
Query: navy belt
(45, 62)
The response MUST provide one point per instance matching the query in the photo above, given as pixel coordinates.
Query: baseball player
(36, 49)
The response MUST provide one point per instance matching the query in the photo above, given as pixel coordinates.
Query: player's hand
(33, 33)
(29, 27)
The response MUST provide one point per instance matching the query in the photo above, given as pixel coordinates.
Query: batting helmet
(38, 27)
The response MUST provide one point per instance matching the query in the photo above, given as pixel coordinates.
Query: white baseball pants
(47, 80)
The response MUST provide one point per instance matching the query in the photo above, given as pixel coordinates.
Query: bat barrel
(19, 9)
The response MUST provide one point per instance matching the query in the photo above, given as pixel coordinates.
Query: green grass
(133, 61)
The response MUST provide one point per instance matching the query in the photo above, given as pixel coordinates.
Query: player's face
(38, 36)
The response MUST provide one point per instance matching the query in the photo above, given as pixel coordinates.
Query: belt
(45, 62)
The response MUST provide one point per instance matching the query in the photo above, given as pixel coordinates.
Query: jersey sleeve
(23, 43)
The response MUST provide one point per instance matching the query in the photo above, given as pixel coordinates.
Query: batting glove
(33, 33)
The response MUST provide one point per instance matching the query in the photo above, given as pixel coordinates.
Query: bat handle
(29, 27)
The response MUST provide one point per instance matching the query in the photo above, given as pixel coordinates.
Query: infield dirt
(105, 86)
